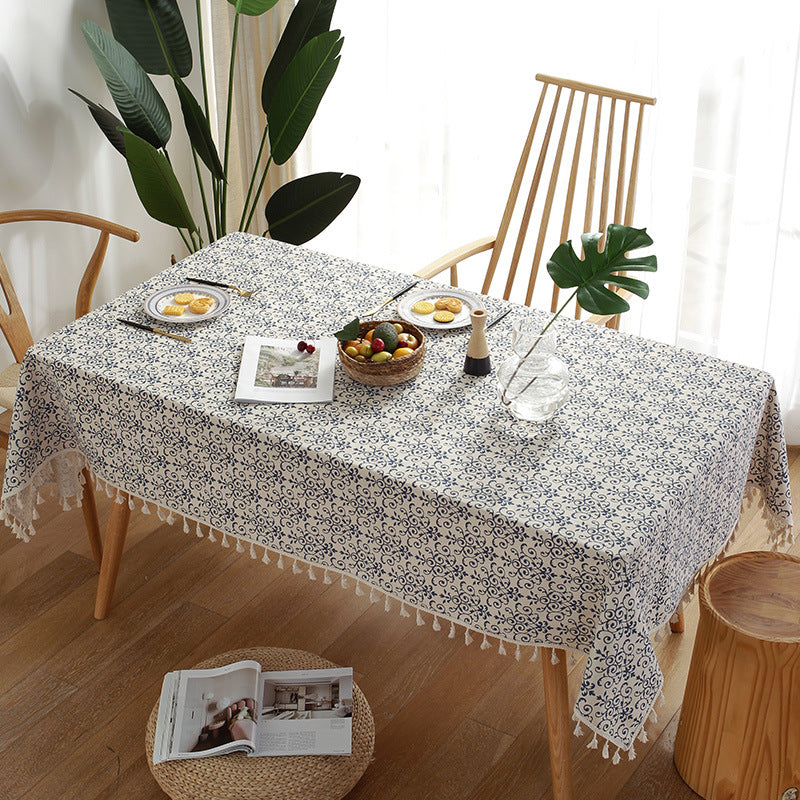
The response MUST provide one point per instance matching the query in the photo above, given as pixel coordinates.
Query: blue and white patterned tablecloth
(583, 533)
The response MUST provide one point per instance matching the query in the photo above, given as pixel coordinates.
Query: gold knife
(153, 330)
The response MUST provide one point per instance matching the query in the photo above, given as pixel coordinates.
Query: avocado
(388, 333)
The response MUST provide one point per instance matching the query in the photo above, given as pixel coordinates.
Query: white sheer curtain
(431, 104)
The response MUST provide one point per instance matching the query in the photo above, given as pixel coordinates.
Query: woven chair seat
(237, 776)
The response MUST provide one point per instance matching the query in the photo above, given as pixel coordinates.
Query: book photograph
(276, 371)
(209, 712)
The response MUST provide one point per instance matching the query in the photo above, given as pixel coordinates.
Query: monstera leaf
(140, 105)
(133, 28)
(592, 275)
(304, 207)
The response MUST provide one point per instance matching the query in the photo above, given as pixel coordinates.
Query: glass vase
(533, 383)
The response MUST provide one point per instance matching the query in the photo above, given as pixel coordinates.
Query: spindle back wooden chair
(594, 186)
(18, 333)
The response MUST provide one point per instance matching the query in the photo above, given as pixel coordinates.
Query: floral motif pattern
(583, 533)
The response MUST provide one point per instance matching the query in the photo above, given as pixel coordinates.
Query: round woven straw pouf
(236, 776)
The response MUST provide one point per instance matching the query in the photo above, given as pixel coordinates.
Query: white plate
(154, 305)
(468, 304)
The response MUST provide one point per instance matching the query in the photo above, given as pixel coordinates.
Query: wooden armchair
(600, 175)
(18, 333)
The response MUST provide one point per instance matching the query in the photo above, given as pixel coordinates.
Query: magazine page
(306, 712)
(275, 371)
(207, 712)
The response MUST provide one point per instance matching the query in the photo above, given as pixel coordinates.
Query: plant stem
(258, 192)
(202, 54)
(552, 319)
(231, 69)
(185, 240)
(253, 179)
(203, 195)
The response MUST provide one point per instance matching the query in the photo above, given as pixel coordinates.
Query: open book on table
(208, 712)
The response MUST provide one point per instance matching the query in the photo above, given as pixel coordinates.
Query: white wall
(52, 155)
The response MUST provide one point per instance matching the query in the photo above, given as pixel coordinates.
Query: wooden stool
(739, 733)
(236, 776)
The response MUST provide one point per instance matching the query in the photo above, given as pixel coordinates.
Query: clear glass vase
(533, 383)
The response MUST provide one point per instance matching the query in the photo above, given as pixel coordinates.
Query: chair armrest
(602, 319)
(456, 256)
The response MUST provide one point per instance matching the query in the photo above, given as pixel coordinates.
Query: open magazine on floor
(208, 712)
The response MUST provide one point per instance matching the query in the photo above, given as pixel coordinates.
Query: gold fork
(242, 292)
(387, 301)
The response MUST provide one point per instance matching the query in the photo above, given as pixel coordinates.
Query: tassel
(185, 525)
(518, 653)
(553, 657)
(198, 531)
(225, 542)
(170, 518)
(253, 551)
(109, 491)
(266, 559)
(119, 498)
(145, 507)
(386, 603)
(344, 582)
(643, 735)
(653, 716)
(359, 591)
(211, 534)
(295, 569)
(615, 760)
(326, 578)
(452, 634)
(280, 561)
(578, 730)
(420, 621)
(39, 499)
(161, 513)
(239, 545)
(661, 699)
(485, 643)
(605, 749)
(593, 743)
(36, 514)
(65, 504)
(403, 611)
(436, 625)
(467, 637)
(501, 648)
(535, 656)
(131, 504)
(373, 595)
(631, 753)
(312, 576)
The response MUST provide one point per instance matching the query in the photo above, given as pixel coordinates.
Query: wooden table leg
(109, 568)
(89, 508)
(556, 698)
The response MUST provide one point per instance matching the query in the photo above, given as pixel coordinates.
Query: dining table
(580, 534)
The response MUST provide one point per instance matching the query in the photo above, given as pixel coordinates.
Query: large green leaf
(300, 92)
(304, 207)
(199, 130)
(133, 29)
(252, 8)
(140, 105)
(107, 122)
(310, 18)
(156, 184)
(595, 272)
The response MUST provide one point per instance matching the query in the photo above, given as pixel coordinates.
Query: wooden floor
(451, 721)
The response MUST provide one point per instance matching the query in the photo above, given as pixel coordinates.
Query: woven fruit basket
(388, 373)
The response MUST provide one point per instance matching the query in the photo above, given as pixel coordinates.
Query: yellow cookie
(174, 311)
(184, 298)
(423, 307)
(448, 304)
(444, 316)
(202, 305)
